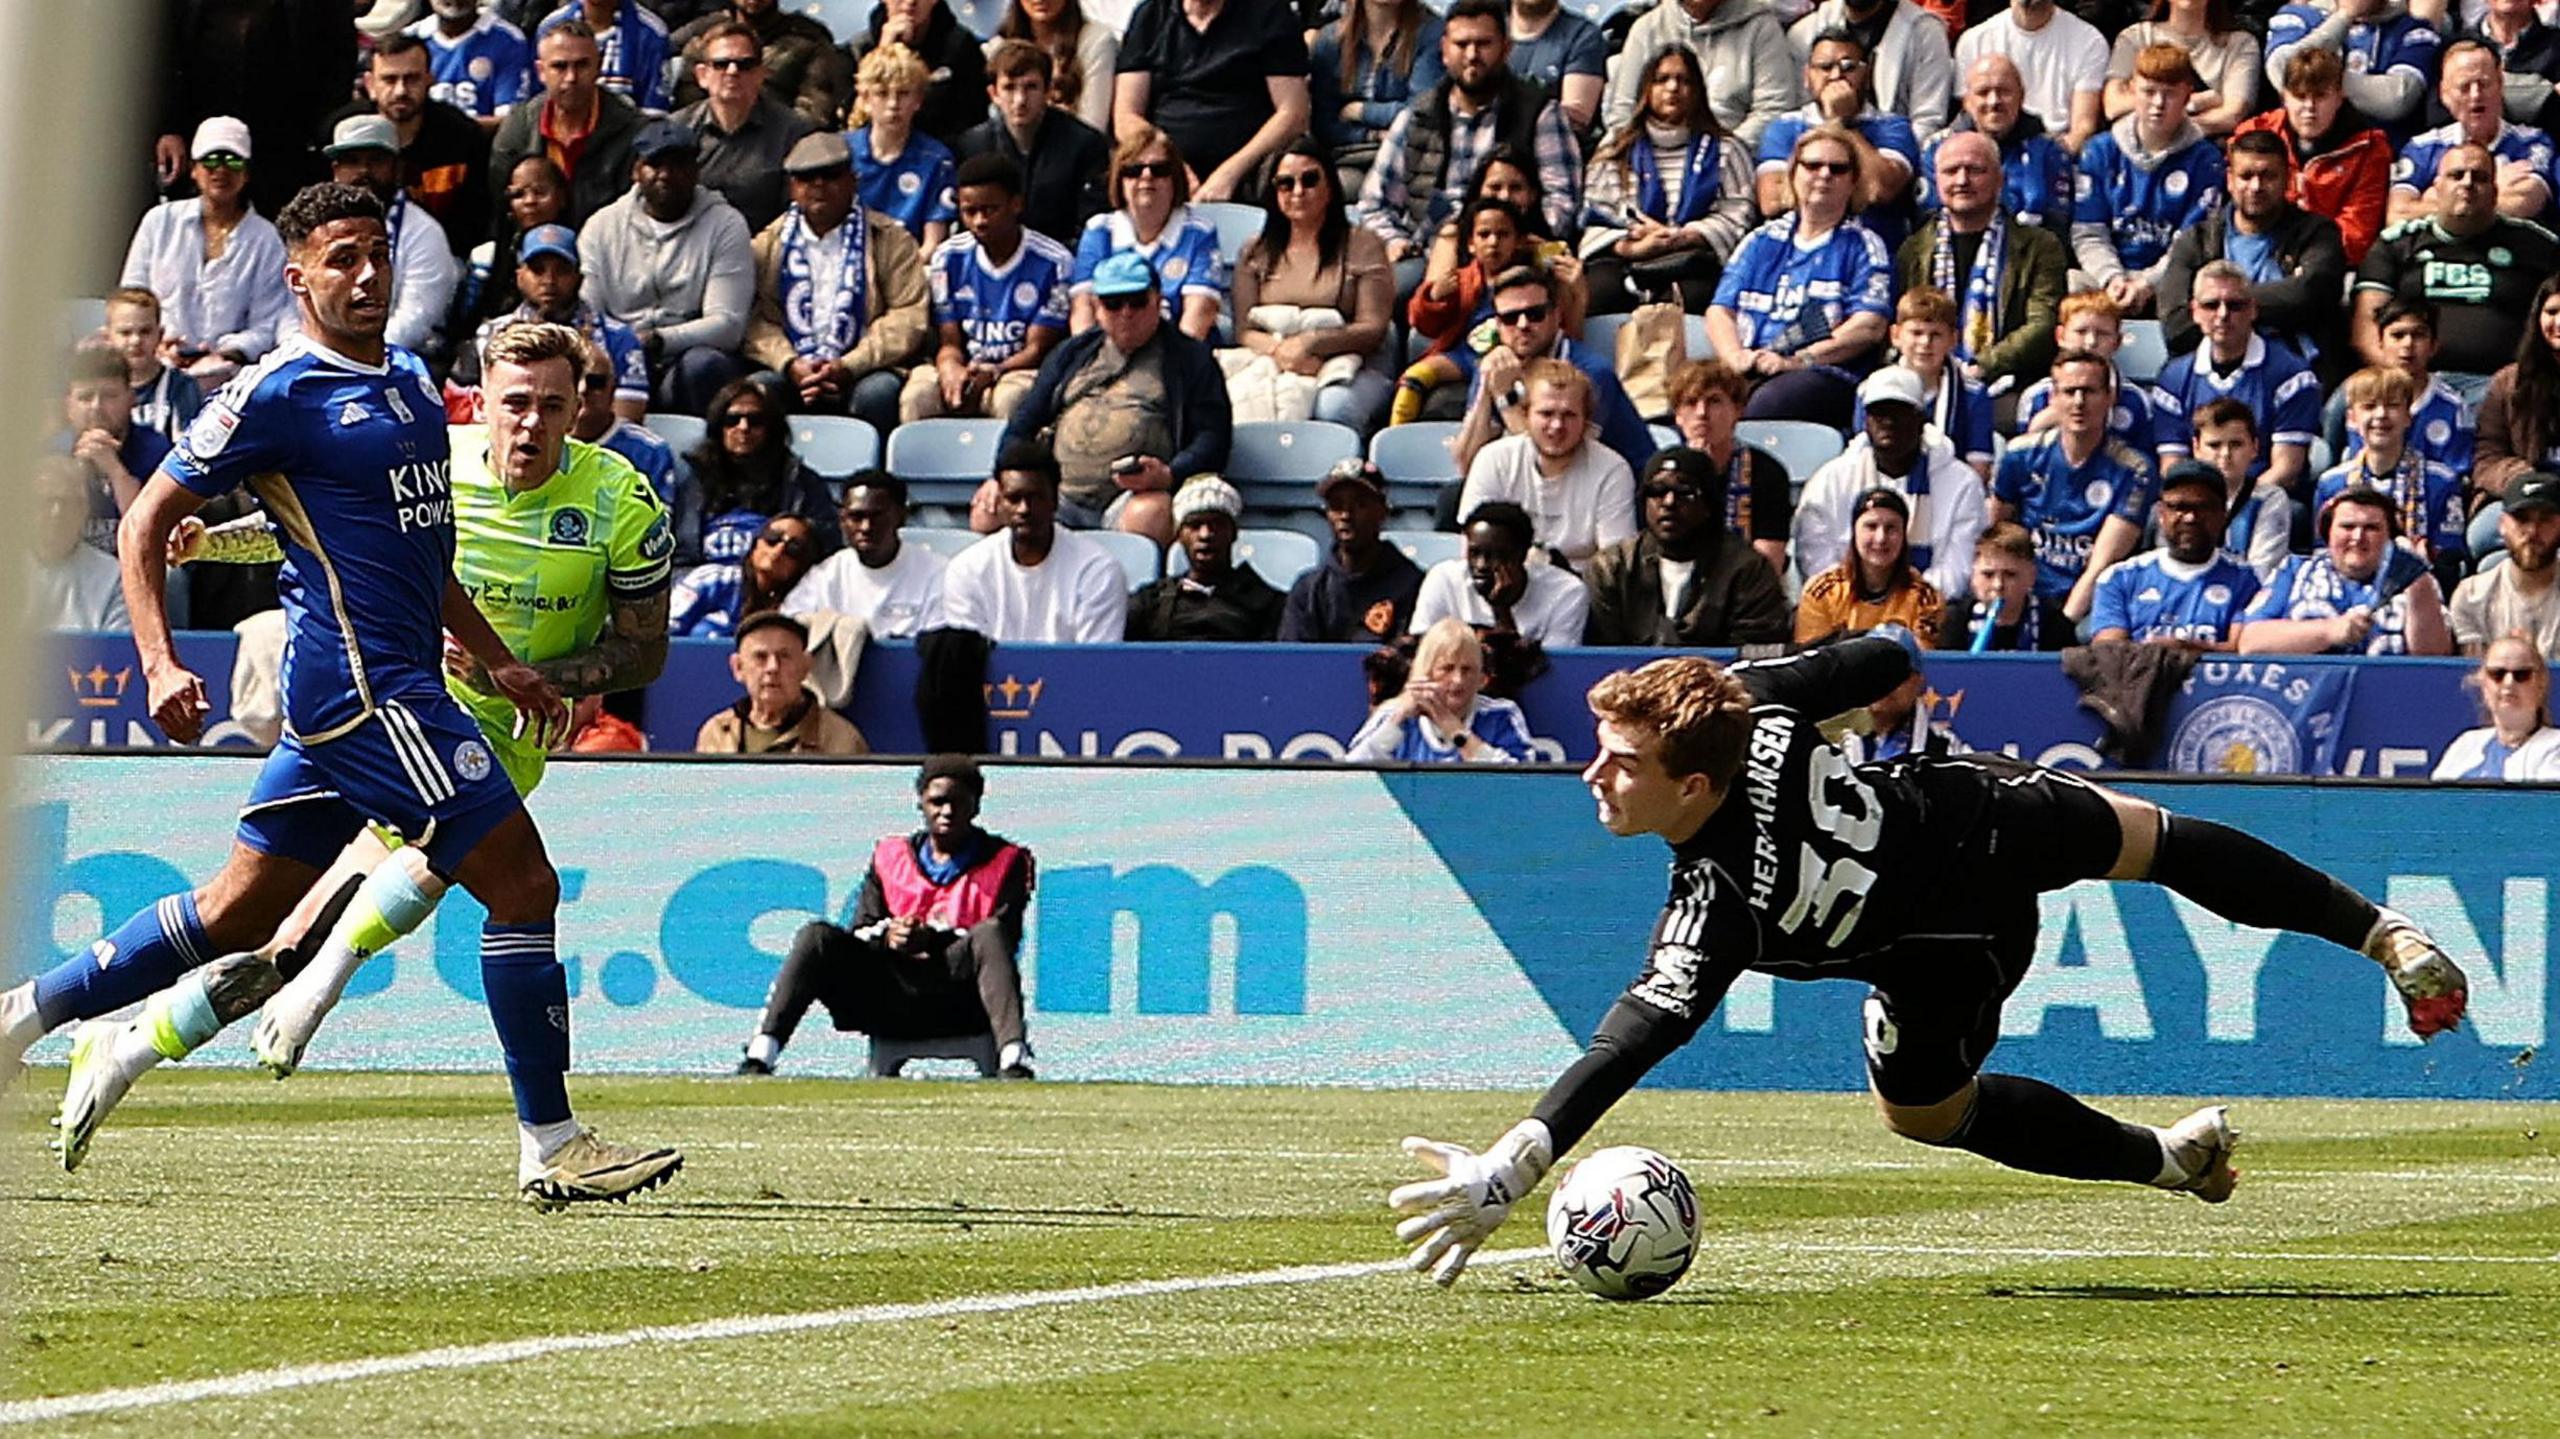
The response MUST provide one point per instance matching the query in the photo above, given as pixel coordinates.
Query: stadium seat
(1417, 462)
(1279, 556)
(1137, 554)
(1275, 464)
(1803, 446)
(1429, 547)
(980, 16)
(1664, 436)
(2320, 456)
(847, 20)
(1237, 225)
(943, 540)
(681, 432)
(835, 445)
(2145, 352)
(943, 461)
(1600, 335)
(83, 317)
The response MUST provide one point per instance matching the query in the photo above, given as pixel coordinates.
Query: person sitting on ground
(71, 585)
(165, 398)
(2187, 592)
(893, 588)
(1875, 583)
(709, 600)
(1035, 581)
(2150, 176)
(1804, 305)
(742, 472)
(1759, 496)
(932, 950)
(2362, 592)
(1130, 408)
(1442, 714)
(1365, 589)
(1579, 495)
(841, 302)
(1671, 194)
(746, 130)
(779, 713)
(1896, 449)
(2257, 526)
(1496, 586)
(2518, 596)
(1214, 598)
(2428, 495)
(1688, 578)
(999, 299)
(2518, 742)
(2002, 592)
(898, 171)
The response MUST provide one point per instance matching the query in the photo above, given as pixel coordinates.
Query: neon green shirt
(546, 565)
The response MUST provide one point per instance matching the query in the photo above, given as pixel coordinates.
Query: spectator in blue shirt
(1151, 217)
(2234, 360)
(1564, 53)
(2083, 495)
(2428, 496)
(2035, 171)
(2474, 93)
(634, 44)
(2361, 593)
(899, 170)
(2149, 176)
(1804, 304)
(1441, 715)
(481, 64)
(98, 427)
(2390, 54)
(2187, 592)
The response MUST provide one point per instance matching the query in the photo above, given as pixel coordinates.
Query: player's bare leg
(2245, 879)
(108, 1059)
(560, 1161)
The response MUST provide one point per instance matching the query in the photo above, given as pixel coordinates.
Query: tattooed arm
(627, 655)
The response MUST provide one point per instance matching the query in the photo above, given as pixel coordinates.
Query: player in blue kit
(2187, 591)
(342, 438)
(1000, 300)
(2082, 494)
(481, 64)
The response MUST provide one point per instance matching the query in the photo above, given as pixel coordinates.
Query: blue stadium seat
(1600, 335)
(1237, 225)
(2145, 352)
(2320, 456)
(1417, 461)
(1428, 547)
(835, 445)
(847, 20)
(83, 317)
(681, 432)
(1803, 446)
(1275, 464)
(1139, 559)
(943, 540)
(980, 16)
(1279, 556)
(1664, 436)
(943, 461)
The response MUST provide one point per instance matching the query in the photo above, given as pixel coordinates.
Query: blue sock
(142, 957)
(529, 1003)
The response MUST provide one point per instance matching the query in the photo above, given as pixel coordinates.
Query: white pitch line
(261, 1382)
(2254, 1256)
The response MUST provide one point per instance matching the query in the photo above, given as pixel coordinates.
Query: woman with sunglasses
(1803, 306)
(1671, 194)
(710, 599)
(1315, 292)
(1151, 216)
(742, 473)
(215, 262)
(1083, 54)
(2518, 742)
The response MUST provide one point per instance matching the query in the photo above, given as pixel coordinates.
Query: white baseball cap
(1893, 382)
(220, 133)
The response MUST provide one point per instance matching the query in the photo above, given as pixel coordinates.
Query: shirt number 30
(1822, 888)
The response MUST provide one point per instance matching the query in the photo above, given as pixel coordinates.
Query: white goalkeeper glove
(1448, 1218)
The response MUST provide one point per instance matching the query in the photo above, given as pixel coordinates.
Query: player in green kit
(567, 551)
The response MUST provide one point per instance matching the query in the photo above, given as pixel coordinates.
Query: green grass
(2386, 1267)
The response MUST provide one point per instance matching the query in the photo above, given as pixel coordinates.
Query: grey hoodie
(2093, 244)
(1752, 76)
(692, 279)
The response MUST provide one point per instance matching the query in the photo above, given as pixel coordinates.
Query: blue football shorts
(419, 766)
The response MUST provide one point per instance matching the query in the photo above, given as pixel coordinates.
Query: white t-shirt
(2489, 604)
(897, 601)
(1552, 612)
(2067, 57)
(1592, 504)
(83, 592)
(1077, 595)
(2538, 758)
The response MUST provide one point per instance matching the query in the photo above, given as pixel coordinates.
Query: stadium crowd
(1482, 327)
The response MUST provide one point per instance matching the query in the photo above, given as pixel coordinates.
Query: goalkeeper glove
(1448, 1218)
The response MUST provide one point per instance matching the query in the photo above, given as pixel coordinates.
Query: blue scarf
(1697, 188)
(1978, 314)
(800, 294)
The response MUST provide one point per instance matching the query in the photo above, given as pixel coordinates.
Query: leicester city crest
(471, 760)
(2236, 734)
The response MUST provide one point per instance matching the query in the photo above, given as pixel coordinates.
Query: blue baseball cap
(665, 137)
(1126, 273)
(557, 240)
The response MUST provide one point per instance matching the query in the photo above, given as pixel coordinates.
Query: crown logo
(98, 687)
(1012, 700)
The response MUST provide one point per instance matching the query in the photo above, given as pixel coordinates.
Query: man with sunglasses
(1908, 63)
(2234, 360)
(598, 390)
(802, 66)
(2518, 597)
(1684, 579)
(1531, 327)
(745, 132)
(549, 280)
(840, 295)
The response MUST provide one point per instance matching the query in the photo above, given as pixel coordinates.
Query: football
(1624, 1223)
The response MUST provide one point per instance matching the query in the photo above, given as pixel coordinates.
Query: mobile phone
(1128, 465)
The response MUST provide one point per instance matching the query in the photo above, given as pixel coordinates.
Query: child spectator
(1924, 338)
(1454, 307)
(2427, 496)
(165, 398)
(999, 300)
(2092, 322)
(2258, 518)
(899, 171)
(2002, 595)
(2149, 176)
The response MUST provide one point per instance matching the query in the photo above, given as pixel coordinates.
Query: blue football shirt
(2153, 596)
(914, 189)
(2065, 505)
(487, 69)
(996, 305)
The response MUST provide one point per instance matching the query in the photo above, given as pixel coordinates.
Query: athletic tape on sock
(181, 1018)
(390, 905)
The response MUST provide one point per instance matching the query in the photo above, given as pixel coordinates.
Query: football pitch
(342, 1255)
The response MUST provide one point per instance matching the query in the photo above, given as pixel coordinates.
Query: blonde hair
(891, 67)
(537, 342)
(1697, 712)
(1861, 184)
(2534, 660)
(2381, 385)
(1448, 638)
(1559, 375)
